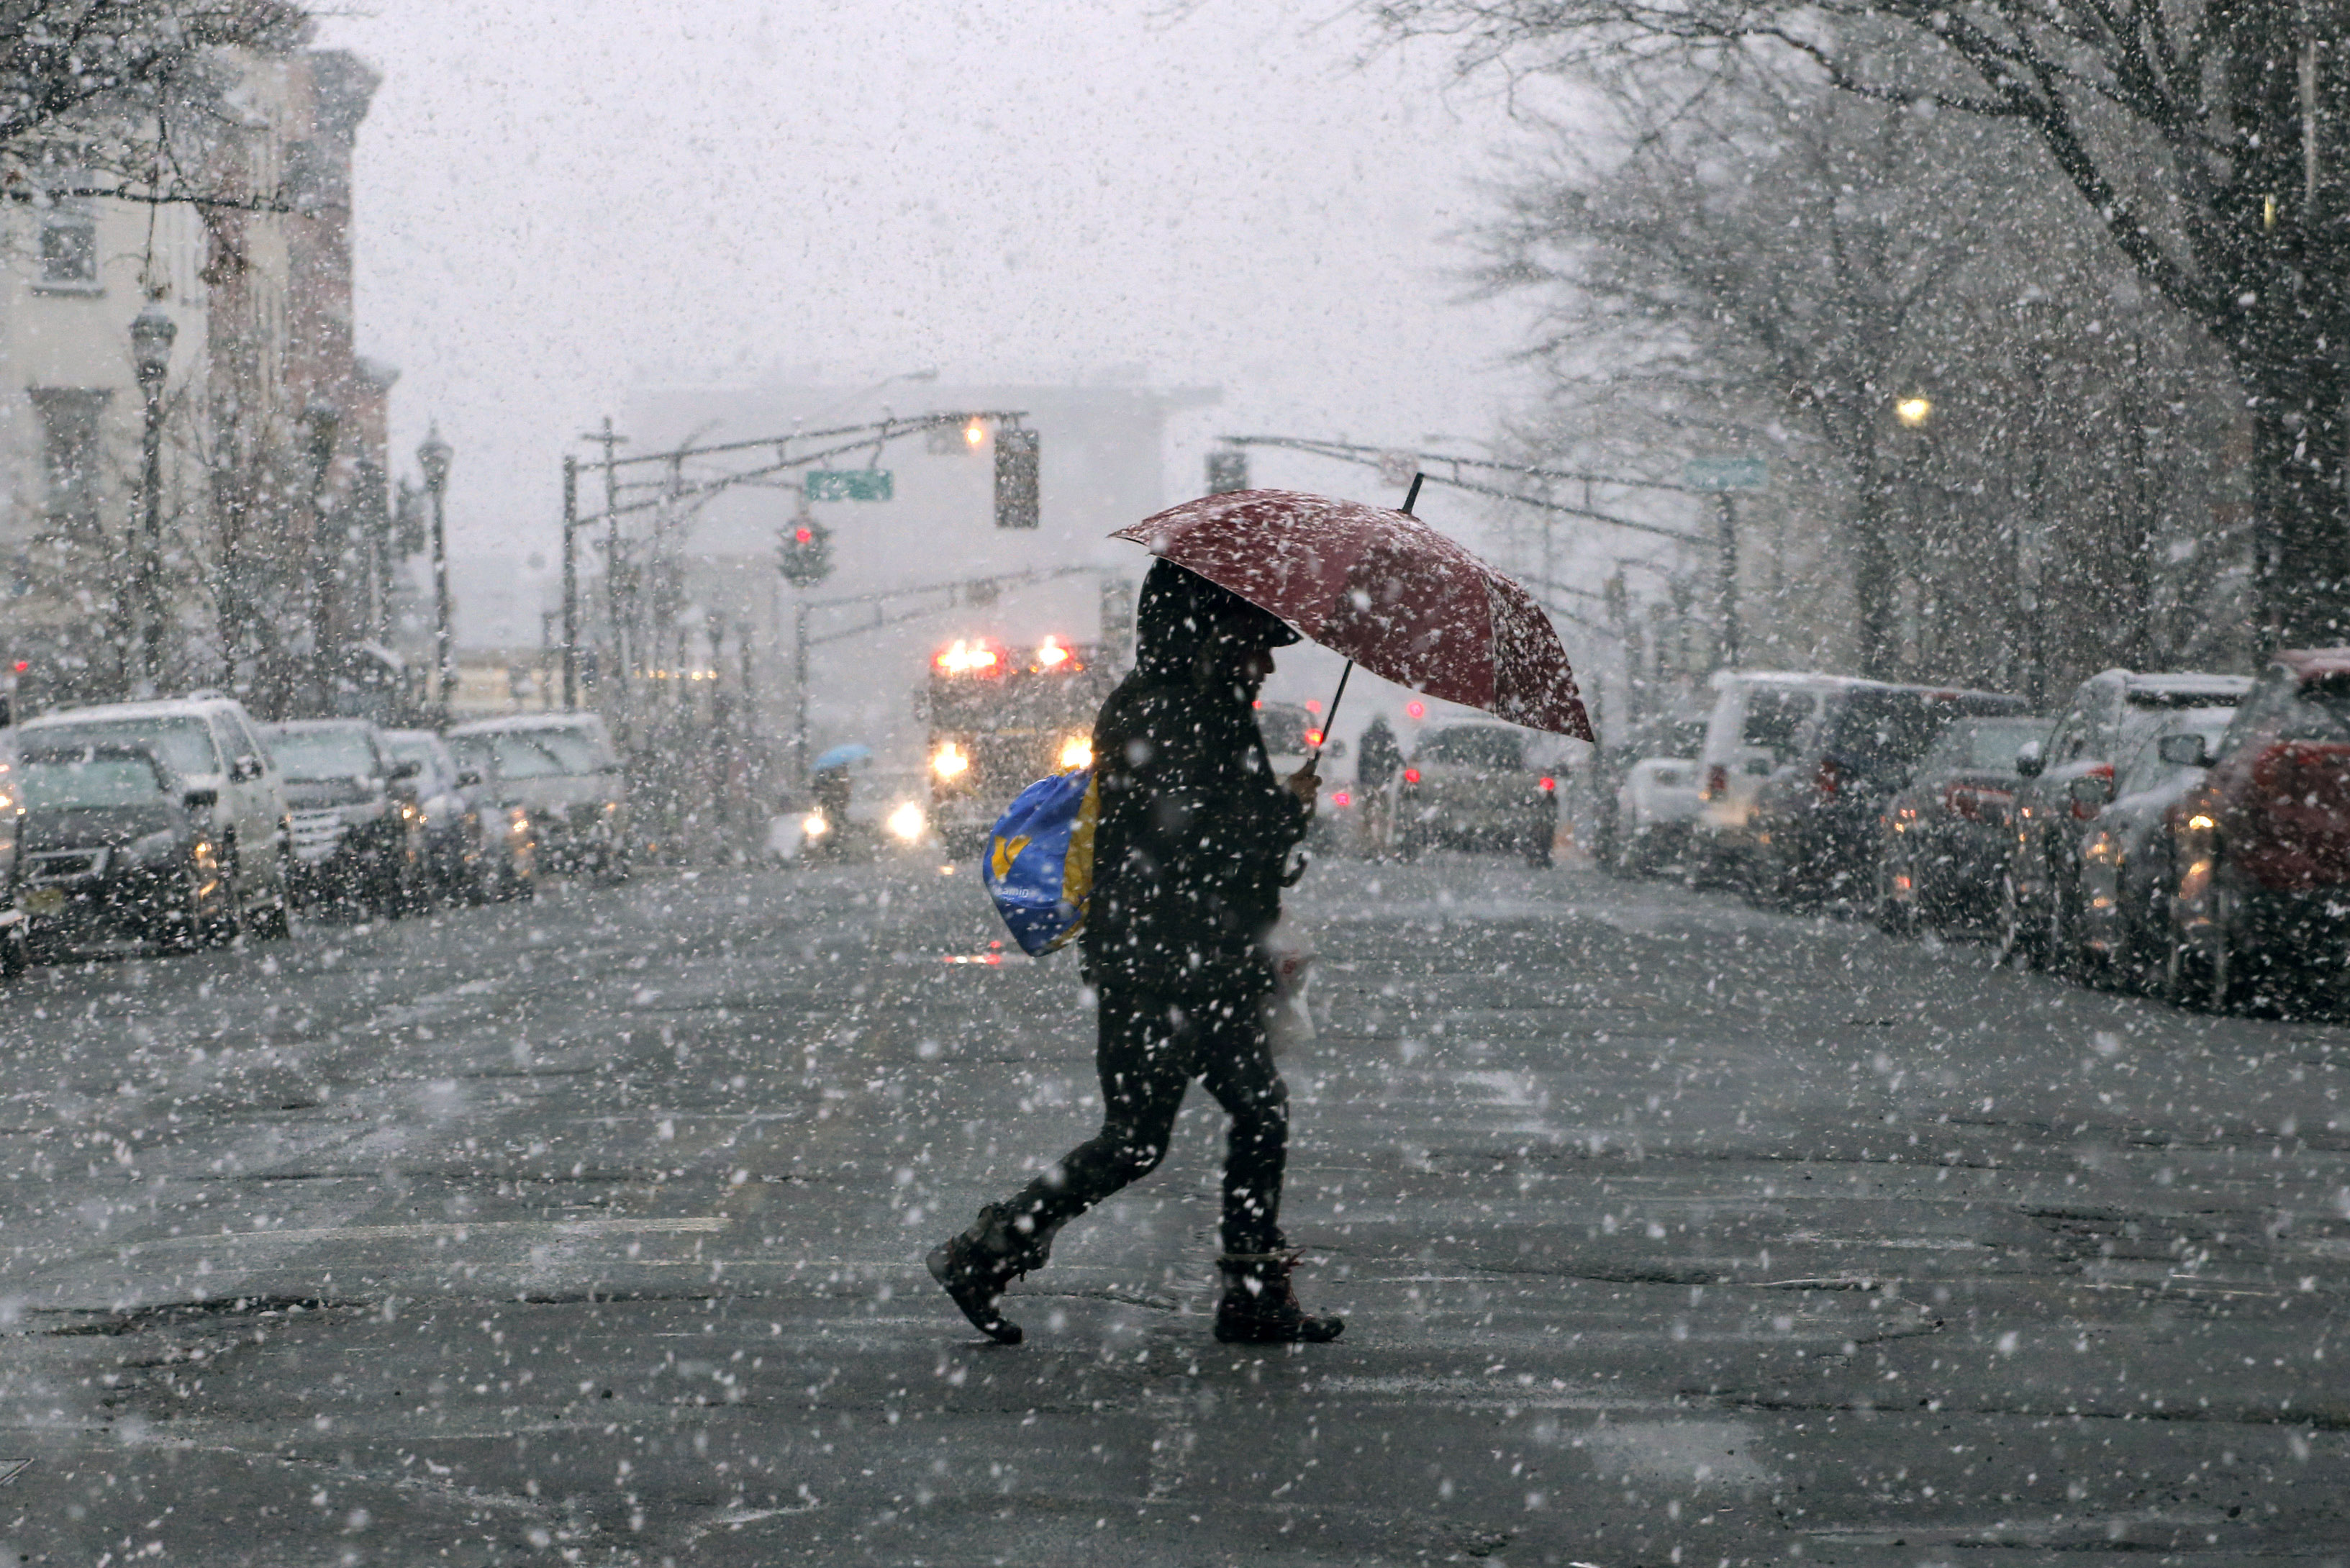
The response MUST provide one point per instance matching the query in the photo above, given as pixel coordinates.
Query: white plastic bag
(1288, 1022)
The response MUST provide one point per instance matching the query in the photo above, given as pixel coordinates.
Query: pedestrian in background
(1188, 855)
(1377, 762)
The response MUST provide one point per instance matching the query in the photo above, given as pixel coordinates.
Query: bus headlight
(814, 825)
(1076, 751)
(950, 760)
(907, 822)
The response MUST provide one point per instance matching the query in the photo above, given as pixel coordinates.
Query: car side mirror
(468, 777)
(200, 799)
(407, 770)
(2186, 750)
(2029, 763)
(245, 767)
(2091, 789)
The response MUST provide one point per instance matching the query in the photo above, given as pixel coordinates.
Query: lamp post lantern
(433, 457)
(151, 334)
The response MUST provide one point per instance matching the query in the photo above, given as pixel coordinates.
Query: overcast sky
(557, 199)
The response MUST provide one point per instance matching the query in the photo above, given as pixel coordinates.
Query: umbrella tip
(1412, 499)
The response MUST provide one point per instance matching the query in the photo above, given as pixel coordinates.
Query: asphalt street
(1666, 1231)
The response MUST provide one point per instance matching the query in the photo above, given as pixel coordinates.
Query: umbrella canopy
(840, 757)
(1386, 590)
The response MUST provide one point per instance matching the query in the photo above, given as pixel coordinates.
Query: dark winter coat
(1194, 826)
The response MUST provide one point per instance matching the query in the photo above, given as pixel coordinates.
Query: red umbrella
(1386, 590)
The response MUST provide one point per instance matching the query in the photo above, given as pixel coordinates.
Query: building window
(70, 454)
(70, 242)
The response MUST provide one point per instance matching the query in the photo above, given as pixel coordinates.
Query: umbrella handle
(1314, 761)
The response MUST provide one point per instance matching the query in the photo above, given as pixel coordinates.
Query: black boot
(975, 1267)
(1260, 1308)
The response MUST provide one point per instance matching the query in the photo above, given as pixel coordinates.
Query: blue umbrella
(840, 757)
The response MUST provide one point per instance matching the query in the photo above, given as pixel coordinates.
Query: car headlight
(814, 825)
(154, 848)
(907, 822)
(950, 760)
(1076, 751)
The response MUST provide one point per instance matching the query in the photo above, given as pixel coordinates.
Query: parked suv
(475, 848)
(207, 742)
(561, 768)
(355, 841)
(2264, 901)
(1757, 721)
(2065, 783)
(1472, 787)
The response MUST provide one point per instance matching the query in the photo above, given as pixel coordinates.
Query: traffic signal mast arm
(869, 437)
(1370, 457)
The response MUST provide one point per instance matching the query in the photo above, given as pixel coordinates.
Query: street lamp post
(433, 457)
(151, 333)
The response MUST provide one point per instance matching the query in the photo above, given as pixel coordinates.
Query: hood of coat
(1186, 628)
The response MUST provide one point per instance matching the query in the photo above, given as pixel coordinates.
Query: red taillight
(1549, 786)
(2086, 810)
(1829, 780)
(1340, 797)
(1314, 738)
(1717, 781)
(1411, 775)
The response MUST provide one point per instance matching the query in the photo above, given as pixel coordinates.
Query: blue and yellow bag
(1039, 867)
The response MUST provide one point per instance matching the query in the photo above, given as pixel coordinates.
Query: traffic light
(1015, 478)
(806, 554)
(1227, 471)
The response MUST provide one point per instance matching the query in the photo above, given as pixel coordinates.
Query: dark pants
(1152, 1045)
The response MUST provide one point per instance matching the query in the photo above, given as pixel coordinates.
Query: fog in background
(557, 202)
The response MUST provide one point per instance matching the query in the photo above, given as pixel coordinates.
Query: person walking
(1189, 850)
(1377, 760)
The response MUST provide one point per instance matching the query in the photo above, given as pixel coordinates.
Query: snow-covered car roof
(2308, 663)
(2169, 687)
(166, 708)
(569, 719)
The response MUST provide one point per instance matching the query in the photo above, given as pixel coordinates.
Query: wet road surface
(591, 1230)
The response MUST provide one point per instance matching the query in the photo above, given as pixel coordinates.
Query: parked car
(1753, 729)
(475, 847)
(1472, 787)
(2108, 717)
(206, 742)
(111, 847)
(561, 768)
(356, 843)
(1814, 826)
(2262, 906)
(1943, 840)
(1645, 796)
(2129, 860)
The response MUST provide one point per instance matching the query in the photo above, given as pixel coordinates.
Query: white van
(209, 744)
(1758, 721)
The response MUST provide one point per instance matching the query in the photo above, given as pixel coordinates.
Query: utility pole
(570, 583)
(618, 674)
(1726, 542)
(799, 688)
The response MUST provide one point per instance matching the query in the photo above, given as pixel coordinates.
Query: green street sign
(848, 485)
(1726, 473)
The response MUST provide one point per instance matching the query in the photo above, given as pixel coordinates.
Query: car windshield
(185, 744)
(2321, 711)
(57, 779)
(314, 755)
(1484, 747)
(1987, 745)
